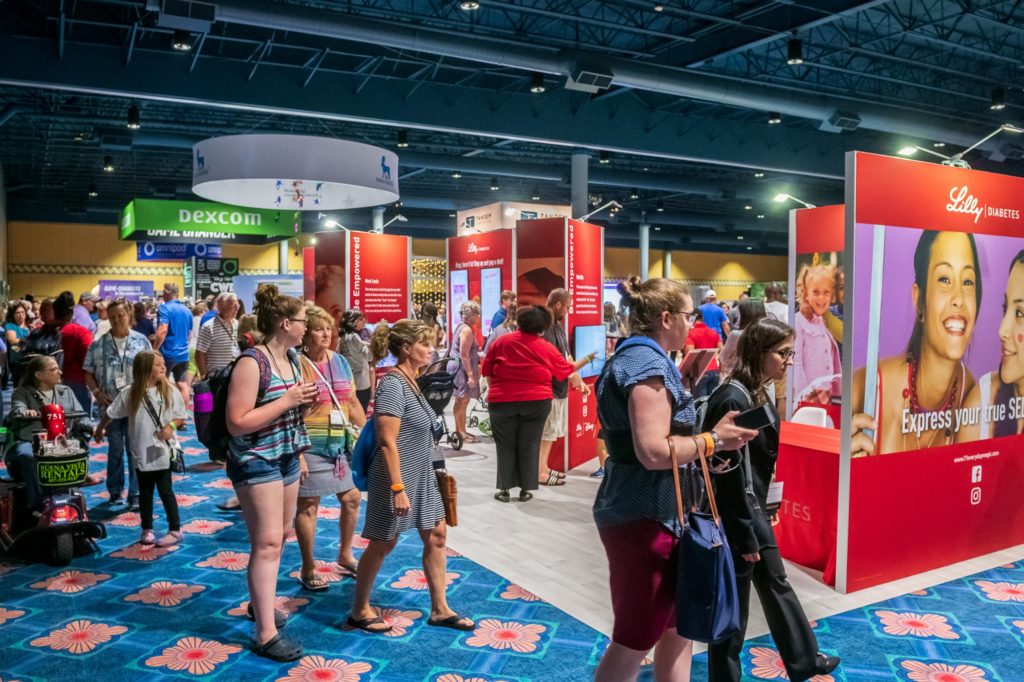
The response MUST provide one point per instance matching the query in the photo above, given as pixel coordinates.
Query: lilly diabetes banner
(160, 220)
(816, 312)
(480, 265)
(378, 275)
(937, 404)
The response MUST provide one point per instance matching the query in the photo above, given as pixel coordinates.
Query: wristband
(397, 487)
(709, 443)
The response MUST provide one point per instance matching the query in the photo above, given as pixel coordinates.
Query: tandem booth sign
(158, 220)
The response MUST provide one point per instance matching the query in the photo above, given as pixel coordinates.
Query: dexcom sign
(155, 220)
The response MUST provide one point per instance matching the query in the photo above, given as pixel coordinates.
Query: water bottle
(202, 406)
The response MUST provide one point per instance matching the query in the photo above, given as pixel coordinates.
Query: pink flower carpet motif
(513, 591)
(289, 605)
(165, 593)
(331, 513)
(194, 655)
(916, 625)
(502, 635)
(228, 560)
(919, 593)
(416, 579)
(327, 571)
(190, 500)
(8, 567)
(178, 478)
(194, 451)
(9, 614)
(70, 582)
(79, 637)
(1019, 624)
(449, 552)
(103, 495)
(943, 672)
(399, 620)
(205, 526)
(1002, 591)
(359, 542)
(767, 665)
(144, 552)
(320, 669)
(219, 484)
(455, 677)
(126, 520)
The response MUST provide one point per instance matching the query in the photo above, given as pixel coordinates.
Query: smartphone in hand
(756, 418)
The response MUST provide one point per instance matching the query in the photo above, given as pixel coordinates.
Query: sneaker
(115, 500)
(172, 538)
(148, 537)
(598, 474)
(133, 503)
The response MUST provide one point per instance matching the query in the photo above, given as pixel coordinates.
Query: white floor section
(550, 546)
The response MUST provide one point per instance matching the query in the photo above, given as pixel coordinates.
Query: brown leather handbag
(450, 495)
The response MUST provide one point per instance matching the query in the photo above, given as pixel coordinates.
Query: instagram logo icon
(975, 495)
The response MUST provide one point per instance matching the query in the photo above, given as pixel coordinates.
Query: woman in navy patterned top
(646, 414)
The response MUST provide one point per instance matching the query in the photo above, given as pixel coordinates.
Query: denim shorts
(258, 470)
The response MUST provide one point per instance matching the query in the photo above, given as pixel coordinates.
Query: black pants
(790, 629)
(161, 481)
(517, 428)
(363, 397)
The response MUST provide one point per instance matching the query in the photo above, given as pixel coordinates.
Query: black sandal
(525, 496)
(280, 617)
(502, 496)
(278, 648)
(365, 624)
(453, 622)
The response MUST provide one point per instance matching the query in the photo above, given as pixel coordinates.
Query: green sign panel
(62, 471)
(159, 220)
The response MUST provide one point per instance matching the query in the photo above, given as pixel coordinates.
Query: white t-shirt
(149, 454)
(777, 310)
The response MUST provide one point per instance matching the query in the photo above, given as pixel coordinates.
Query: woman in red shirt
(520, 366)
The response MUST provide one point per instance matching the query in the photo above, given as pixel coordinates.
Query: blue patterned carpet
(133, 613)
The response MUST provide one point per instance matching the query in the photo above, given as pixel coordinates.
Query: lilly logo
(472, 248)
(200, 160)
(962, 201)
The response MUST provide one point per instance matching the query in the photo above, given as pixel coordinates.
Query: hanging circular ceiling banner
(294, 172)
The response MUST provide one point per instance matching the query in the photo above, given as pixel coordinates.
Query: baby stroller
(438, 385)
(480, 405)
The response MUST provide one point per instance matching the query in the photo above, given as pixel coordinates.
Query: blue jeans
(707, 384)
(21, 464)
(120, 446)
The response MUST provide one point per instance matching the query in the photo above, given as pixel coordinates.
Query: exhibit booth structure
(365, 270)
(480, 267)
(926, 317)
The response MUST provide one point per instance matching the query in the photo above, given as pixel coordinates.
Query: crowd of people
(303, 387)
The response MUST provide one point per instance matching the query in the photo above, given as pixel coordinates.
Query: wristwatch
(716, 440)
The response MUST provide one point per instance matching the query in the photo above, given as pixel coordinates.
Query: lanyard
(121, 356)
(277, 369)
(321, 377)
(226, 328)
(53, 396)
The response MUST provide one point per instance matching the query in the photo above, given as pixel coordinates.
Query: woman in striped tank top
(265, 419)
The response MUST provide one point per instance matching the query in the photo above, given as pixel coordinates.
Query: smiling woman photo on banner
(996, 396)
(919, 391)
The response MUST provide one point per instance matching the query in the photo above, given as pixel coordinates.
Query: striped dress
(415, 442)
(286, 435)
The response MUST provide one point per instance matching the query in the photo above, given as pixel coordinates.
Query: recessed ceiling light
(469, 5)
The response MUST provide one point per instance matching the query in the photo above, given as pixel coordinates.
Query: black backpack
(44, 341)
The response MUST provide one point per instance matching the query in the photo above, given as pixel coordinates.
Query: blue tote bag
(707, 601)
(362, 453)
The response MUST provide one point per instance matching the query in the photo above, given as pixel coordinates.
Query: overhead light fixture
(334, 224)
(312, 241)
(957, 160)
(794, 52)
(456, 175)
(536, 83)
(660, 208)
(634, 194)
(614, 205)
(399, 217)
(909, 150)
(469, 5)
(494, 185)
(997, 99)
(781, 197)
(134, 120)
(108, 164)
(403, 139)
(604, 157)
(535, 195)
(182, 40)
(93, 191)
(750, 248)
(748, 207)
(659, 8)
(759, 174)
(774, 118)
(760, 216)
(451, 215)
(79, 137)
(938, 145)
(740, 237)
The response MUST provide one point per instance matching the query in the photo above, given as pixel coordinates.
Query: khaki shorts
(557, 424)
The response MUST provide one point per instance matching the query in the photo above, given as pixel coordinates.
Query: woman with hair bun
(265, 419)
(402, 489)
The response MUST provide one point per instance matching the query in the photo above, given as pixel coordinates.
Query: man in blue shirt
(507, 299)
(714, 316)
(173, 328)
(82, 313)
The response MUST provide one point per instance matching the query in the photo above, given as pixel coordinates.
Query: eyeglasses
(303, 320)
(784, 354)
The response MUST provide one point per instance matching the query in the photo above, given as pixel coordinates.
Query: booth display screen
(490, 296)
(591, 339)
(458, 295)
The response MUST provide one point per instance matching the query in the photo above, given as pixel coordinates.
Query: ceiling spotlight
(108, 164)
(182, 40)
(604, 157)
(494, 184)
(909, 150)
(659, 8)
(774, 118)
(634, 194)
(403, 139)
(998, 99)
(535, 196)
(781, 197)
(79, 137)
(759, 174)
(536, 83)
(93, 191)
(469, 5)
(313, 241)
(451, 215)
(760, 216)
(938, 145)
(750, 248)
(740, 237)
(456, 175)
(134, 120)
(660, 208)
(748, 207)
(794, 52)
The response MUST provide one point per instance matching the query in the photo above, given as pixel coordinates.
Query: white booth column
(645, 250)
